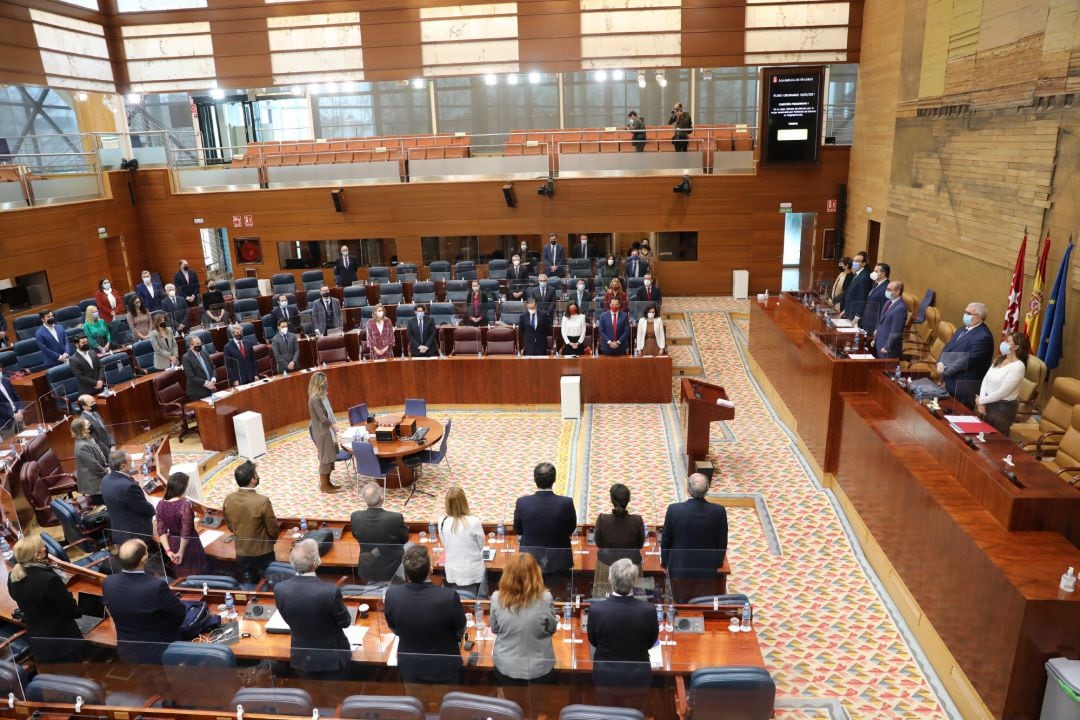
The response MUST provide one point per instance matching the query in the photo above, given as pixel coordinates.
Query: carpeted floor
(829, 638)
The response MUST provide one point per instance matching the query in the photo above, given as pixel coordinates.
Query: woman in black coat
(47, 607)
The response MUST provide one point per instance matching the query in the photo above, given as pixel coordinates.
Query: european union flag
(1052, 336)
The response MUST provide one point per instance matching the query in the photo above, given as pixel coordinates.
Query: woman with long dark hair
(619, 534)
(998, 398)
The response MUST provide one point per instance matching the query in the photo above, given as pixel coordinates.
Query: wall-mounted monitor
(791, 114)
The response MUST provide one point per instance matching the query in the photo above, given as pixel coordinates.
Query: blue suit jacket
(544, 522)
(240, 369)
(130, 514)
(855, 295)
(695, 539)
(554, 256)
(152, 304)
(889, 335)
(967, 357)
(608, 333)
(622, 629)
(871, 312)
(147, 615)
(52, 349)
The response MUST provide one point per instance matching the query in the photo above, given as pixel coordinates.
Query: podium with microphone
(702, 404)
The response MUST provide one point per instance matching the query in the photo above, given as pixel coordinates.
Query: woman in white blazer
(650, 333)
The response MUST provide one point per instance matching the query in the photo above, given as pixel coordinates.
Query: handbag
(323, 537)
(197, 619)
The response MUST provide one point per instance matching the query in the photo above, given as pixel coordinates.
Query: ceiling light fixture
(600, 75)
(661, 80)
(490, 79)
(641, 82)
(81, 96)
(534, 78)
(419, 83)
(511, 79)
(134, 98)
(217, 94)
(618, 75)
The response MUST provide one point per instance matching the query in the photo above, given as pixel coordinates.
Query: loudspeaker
(508, 195)
(338, 196)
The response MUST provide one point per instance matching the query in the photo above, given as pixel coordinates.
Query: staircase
(182, 144)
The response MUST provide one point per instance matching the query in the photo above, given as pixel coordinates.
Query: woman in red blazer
(109, 302)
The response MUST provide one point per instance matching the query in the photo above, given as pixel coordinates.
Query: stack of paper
(206, 537)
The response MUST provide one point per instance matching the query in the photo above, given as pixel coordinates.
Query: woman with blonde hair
(323, 432)
(614, 291)
(91, 465)
(380, 335)
(96, 330)
(523, 619)
(47, 607)
(463, 536)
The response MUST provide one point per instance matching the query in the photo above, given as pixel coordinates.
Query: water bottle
(576, 537)
(659, 536)
(500, 533)
(896, 373)
(303, 525)
(478, 613)
(669, 621)
(230, 605)
(746, 616)
(567, 614)
(659, 616)
(431, 532)
(5, 550)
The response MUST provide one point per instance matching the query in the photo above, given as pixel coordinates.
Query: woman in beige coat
(323, 432)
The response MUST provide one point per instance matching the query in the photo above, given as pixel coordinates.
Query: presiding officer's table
(283, 400)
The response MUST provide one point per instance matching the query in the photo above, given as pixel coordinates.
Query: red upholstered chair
(221, 373)
(332, 349)
(466, 340)
(502, 341)
(264, 363)
(52, 473)
(170, 395)
(37, 494)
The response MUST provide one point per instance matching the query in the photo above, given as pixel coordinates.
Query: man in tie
(325, 312)
(967, 356)
(100, 433)
(517, 277)
(240, 359)
(635, 266)
(86, 367)
(544, 295)
(648, 293)
(421, 331)
(345, 268)
(582, 296)
(614, 330)
(11, 415)
(889, 335)
(875, 299)
(554, 255)
(583, 250)
(187, 283)
(534, 326)
(52, 340)
(198, 369)
(177, 308)
(283, 311)
(150, 292)
(285, 348)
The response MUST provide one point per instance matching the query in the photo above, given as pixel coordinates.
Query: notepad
(847, 330)
(207, 537)
(355, 635)
(841, 323)
(391, 660)
(656, 656)
(860, 356)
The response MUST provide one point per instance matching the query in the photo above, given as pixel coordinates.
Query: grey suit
(523, 648)
(164, 348)
(99, 432)
(286, 350)
(323, 318)
(196, 390)
(90, 466)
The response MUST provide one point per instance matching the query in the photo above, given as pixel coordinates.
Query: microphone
(317, 359)
(41, 407)
(106, 392)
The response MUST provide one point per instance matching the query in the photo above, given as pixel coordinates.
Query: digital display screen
(792, 114)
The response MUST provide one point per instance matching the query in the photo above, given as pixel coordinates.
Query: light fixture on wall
(641, 81)
(661, 79)
(600, 76)
(511, 79)
(618, 75)
(534, 78)
(81, 96)
(419, 83)
(491, 79)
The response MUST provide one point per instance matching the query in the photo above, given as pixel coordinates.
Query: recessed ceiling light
(81, 96)
(419, 83)
(600, 75)
(511, 79)
(217, 94)
(641, 81)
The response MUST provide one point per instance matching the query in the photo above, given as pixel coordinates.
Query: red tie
(240, 345)
(614, 321)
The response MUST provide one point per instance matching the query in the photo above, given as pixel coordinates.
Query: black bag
(324, 537)
(197, 619)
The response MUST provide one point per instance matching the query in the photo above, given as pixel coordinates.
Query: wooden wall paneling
(391, 44)
(549, 36)
(20, 60)
(242, 53)
(713, 32)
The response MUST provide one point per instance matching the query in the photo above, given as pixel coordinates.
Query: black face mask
(196, 348)
(185, 268)
(84, 348)
(50, 321)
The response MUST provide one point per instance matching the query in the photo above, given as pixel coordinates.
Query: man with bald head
(146, 613)
(889, 332)
(382, 536)
(967, 356)
(694, 542)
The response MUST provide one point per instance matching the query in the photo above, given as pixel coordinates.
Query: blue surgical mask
(856, 266)
(889, 295)
(1005, 348)
(543, 285)
(967, 318)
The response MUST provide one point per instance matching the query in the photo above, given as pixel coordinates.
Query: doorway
(798, 257)
(229, 124)
(215, 252)
(873, 237)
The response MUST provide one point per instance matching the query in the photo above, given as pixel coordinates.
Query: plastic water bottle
(659, 616)
(746, 616)
(5, 550)
(478, 614)
(575, 539)
(431, 532)
(500, 533)
(669, 620)
(303, 525)
(230, 605)
(567, 614)
(659, 536)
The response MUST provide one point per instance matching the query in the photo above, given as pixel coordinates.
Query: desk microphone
(1013, 479)
(106, 392)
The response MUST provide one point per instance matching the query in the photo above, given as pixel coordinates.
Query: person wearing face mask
(163, 340)
(325, 312)
(610, 269)
(614, 330)
(87, 406)
(198, 370)
(528, 258)
(650, 333)
(680, 119)
(583, 249)
(614, 292)
(422, 336)
(177, 309)
(477, 304)
(517, 277)
(91, 463)
(187, 283)
(213, 303)
(139, 320)
(581, 296)
(636, 125)
(380, 335)
(998, 398)
(97, 330)
(840, 285)
(86, 367)
(889, 333)
(875, 300)
(544, 295)
(285, 348)
(646, 250)
(636, 265)
(534, 327)
(51, 339)
(967, 356)
(345, 268)
(554, 256)
(649, 294)
(858, 288)
(108, 301)
(288, 313)
(240, 363)
(151, 292)
(573, 330)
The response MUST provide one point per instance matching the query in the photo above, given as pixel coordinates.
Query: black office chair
(274, 701)
(381, 707)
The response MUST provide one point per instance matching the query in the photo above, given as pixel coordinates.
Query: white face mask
(284, 331)
(516, 263)
(172, 294)
(107, 287)
(283, 304)
(581, 288)
(344, 253)
(146, 281)
(874, 276)
(543, 284)
(1004, 348)
(379, 314)
(610, 262)
(652, 315)
(419, 316)
(648, 283)
(476, 288)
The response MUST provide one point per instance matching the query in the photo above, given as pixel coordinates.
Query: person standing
(680, 119)
(648, 293)
(650, 333)
(381, 534)
(176, 307)
(97, 331)
(213, 303)
(463, 536)
(11, 408)
(622, 629)
(251, 518)
(284, 312)
(240, 365)
(47, 607)
(286, 349)
(198, 370)
(380, 335)
(91, 464)
(86, 367)
(187, 283)
(325, 313)
(859, 287)
(139, 319)
(51, 339)
(543, 523)
(619, 535)
(554, 256)
(109, 302)
(889, 331)
(88, 409)
(573, 331)
(323, 432)
(875, 299)
(345, 268)
(694, 542)
(146, 612)
(151, 292)
(517, 277)
(163, 340)
(534, 327)
(636, 125)
(584, 250)
(175, 528)
(967, 356)
(998, 398)
(423, 339)
(840, 285)
(614, 330)
(130, 514)
(523, 620)
(477, 303)
(544, 294)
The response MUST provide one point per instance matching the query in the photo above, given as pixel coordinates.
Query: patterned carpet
(829, 637)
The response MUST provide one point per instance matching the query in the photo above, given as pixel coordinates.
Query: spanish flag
(1035, 305)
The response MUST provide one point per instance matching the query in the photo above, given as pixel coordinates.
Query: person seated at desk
(326, 313)
(139, 320)
(477, 304)
(284, 312)
(198, 370)
(286, 348)
(213, 302)
(650, 333)
(87, 408)
(648, 293)
(174, 524)
(316, 615)
(151, 292)
(380, 335)
(544, 522)
(694, 542)
(423, 338)
(523, 620)
(51, 339)
(146, 613)
(91, 464)
(614, 292)
(240, 363)
(382, 536)
(109, 302)
(176, 307)
(534, 326)
(517, 277)
(463, 536)
(251, 518)
(967, 356)
(48, 609)
(622, 629)
(429, 622)
(130, 514)
(618, 535)
(573, 330)
(997, 400)
(86, 367)
(163, 340)
(187, 282)
(614, 328)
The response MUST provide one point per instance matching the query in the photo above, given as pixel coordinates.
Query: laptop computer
(92, 608)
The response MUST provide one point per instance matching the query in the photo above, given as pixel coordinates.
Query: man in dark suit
(544, 295)
(889, 334)
(967, 356)
(285, 348)
(86, 367)
(382, 535)
(859, 287)
(146, 613)
(177, 309)
(422, 337)
(11, 408)
(198, 370)
(52, 340)
(187, 283)
(151, 293)
(649, 294)
(283, 312)
(4, 340)
(240, 363)
(581, 296)
(316, 614)
(875, 299)
(583, 249)
(130, 514)
(544, 522)
(622, 629)
(636, 266)
(694, 542)
(429, 622)
(325, 312)
(345, 268)
(100, 433)
(554, 256)
(517, 277)
(614, 330)
(534, 327)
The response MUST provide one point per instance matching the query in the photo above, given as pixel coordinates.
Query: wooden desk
(456, 380)
(399, 448)
(130, 409)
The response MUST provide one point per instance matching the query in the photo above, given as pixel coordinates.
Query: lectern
(699, 408)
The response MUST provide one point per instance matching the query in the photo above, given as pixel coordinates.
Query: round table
(398, 450)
